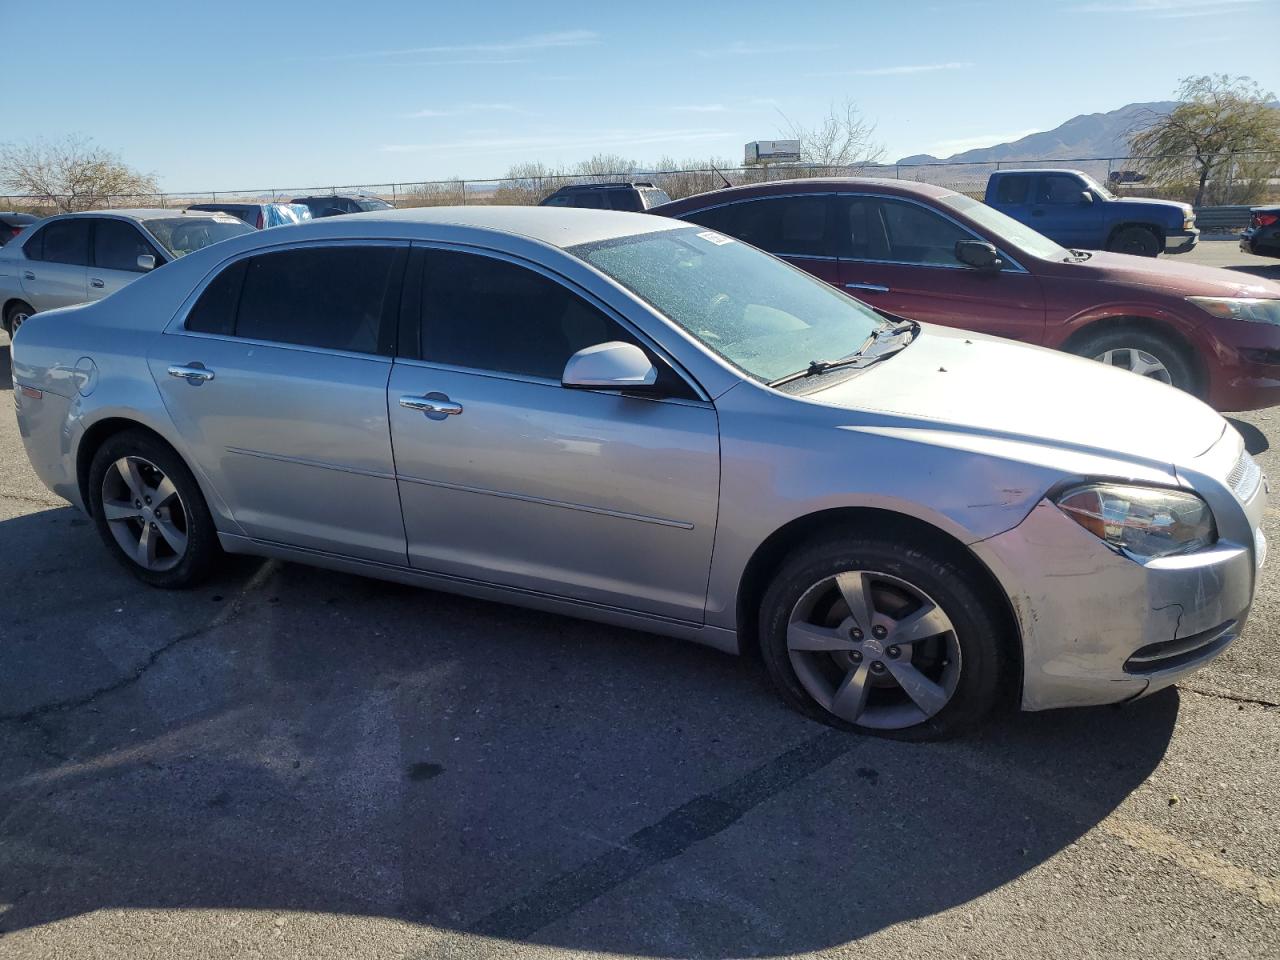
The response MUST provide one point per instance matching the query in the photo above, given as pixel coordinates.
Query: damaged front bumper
(1098, 627)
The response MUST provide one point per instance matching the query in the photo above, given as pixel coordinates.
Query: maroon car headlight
(1253, 309)
(1143, 523)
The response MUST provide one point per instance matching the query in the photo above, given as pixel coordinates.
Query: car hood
(1183, 208)
(1001, 390)
(1169, 276)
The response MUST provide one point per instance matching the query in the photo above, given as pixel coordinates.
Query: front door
(56, 271)
(278, 381)
(1060, 212)
(591, 495)
(117, 244)
(900, 258)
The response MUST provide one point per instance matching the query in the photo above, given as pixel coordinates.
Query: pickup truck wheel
(1138, 241)
(1142, 352)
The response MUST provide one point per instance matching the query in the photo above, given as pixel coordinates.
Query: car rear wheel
(149, 511)
(883, 638)
(16, 316)
(1142, 352)
(1138, 241)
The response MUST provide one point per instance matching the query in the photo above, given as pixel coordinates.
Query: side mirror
(146, 262)
(610, 366)
(978, 254)
(1086, 196)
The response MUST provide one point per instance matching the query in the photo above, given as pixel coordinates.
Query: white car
(78, 257)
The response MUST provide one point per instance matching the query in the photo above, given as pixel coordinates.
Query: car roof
(885, 185)
(558, 226)
(140, 213)
(1074, 170)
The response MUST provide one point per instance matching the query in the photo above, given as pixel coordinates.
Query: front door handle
(194, 373)
(435, 405)
(28, 275)
(867, 287)
(97, 283)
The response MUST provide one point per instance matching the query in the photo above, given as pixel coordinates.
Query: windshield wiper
(882, 334)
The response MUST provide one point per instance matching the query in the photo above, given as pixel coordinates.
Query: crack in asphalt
(226, 616)
(1234, 698)
(42, 501)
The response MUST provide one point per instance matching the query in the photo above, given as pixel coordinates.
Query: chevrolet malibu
(641, 422)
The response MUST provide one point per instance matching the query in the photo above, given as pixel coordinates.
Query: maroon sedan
(931, 254)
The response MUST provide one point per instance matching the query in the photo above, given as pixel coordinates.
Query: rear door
(56, 273)
(591, 495)
(277, 378)
(117, 244)
(900, 258)
(799, 228)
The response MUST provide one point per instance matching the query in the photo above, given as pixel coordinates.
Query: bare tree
(440, 193)
(844, 138)
(71, 174)
(1219, 119)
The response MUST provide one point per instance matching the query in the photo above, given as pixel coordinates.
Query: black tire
(1118, 340)
(202, 550)
(12, 311)
(983, 667)
(1139, 241)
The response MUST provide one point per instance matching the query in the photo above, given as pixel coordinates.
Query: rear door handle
(194, 373)
(28, 275)
(435, 405)
(867, 287)
(96, 283)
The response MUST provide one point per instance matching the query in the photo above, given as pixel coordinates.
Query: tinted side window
(67, 241)
(1012, 190)
(1057, 188)
(589, 199)
(625, 200)
(717, 218)
(490, 314)
(918, 235)
(331, 297)
(117, 245)
(865, 235)
(786, 225)
(215, 311)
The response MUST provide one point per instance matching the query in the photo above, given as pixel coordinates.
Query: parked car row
(644, 421)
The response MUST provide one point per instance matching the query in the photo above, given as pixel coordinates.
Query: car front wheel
(149, 511)
(1142, 352)
(883, 637)
(1138, 241)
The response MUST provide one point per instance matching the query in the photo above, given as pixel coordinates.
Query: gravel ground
(295, 763)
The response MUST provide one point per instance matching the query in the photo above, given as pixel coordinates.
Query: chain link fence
(1252, 178)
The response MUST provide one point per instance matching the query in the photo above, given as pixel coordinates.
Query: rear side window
(588, 199)
(1012, 189)
(117, 246)
(794, 226)
(66, 241)
(626, 200)
(335, 298)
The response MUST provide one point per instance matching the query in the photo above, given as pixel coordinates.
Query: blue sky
(287, 93)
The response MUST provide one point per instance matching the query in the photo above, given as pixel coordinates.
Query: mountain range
(1088, 135)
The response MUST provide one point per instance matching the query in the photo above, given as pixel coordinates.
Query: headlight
(1143, 523)
(1240, 308)
(1189, 222)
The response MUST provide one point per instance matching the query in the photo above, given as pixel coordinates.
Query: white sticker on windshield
(719, 239)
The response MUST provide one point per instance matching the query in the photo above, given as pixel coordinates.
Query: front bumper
(1181, 241)
(1100, 628)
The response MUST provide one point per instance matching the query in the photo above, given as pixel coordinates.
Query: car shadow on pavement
(294, 739)
(1255, 441)
(1268, 271)
(6, 368)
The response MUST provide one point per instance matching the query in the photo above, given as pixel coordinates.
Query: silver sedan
(77, 257)
(632, 420)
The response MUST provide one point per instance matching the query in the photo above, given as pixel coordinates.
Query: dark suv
(634, 196)
(333, 205)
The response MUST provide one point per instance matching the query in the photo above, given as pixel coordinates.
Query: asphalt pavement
(290, 762)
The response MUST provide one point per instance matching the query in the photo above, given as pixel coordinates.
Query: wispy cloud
(555, 141)
(537, 41)
(740, 48)
(897, 71)
(1165, 9)
(465, 109)
(701, 108)
(945, 148)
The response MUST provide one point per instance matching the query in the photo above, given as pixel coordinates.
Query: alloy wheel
(144, 513)
(874, 650)
(1136, 361)
(17, 319)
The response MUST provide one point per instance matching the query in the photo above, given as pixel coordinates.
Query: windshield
(1007, 231)
(374, 204)
(1096, 187)
(183, 235)
(765, 317)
